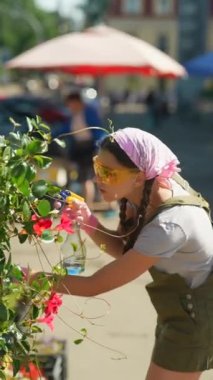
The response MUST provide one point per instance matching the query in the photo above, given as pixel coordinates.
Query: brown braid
(122, 214)
(141, 215)
(125, 224)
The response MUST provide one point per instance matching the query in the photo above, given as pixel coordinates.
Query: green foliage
(21, 198)
(27, 213)
(23, 25)
(83, 333)
(95, 11)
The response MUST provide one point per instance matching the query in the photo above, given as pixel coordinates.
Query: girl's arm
(115, 274)
(110, 239)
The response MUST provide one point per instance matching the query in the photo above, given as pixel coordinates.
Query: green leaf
(47, 137)
(2, 141)
(26, 345)
(19, 152)
(16, 272)
(42, 161)
(16, 366)
(30, 173)
(37, 146)
(3, 201)
(22, 238)
(2, 375)
(18, 172)
(2, 261)
(60, 142)
(36, 329)
(44, 126)
(42, 282)
(8, 264)
(74, 246)
(39, 188)
(53, 189)
(35, 122)
(24, 188)
(28, 226)
(84, 332)
(4, 313)
(14, 122)
(29, 124)
(38, 120)
(44, 207)
(26, 211)
(35, 312)
(15, 139)
(59, 239)
(78, 341)
(6, 154)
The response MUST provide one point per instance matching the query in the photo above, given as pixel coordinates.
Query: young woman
(175, 244)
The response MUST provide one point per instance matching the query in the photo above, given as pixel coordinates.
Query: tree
(95, 11)
(23, 25)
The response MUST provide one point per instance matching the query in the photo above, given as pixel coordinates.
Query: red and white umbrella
(99, 50)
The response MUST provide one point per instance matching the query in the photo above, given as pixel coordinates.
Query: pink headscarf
(147, 152)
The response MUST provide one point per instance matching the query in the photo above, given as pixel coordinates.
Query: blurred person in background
(81, 145)
(152, 102)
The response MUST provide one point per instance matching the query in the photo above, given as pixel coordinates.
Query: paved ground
(121, 342)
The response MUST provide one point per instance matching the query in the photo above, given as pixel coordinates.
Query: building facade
(181, 28)
(159, 21)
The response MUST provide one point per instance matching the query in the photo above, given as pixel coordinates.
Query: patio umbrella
(201, 66)
(99, 50)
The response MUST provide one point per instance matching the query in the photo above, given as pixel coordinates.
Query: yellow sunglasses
(111, 176)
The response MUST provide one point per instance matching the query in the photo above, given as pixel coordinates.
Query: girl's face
(114, 180)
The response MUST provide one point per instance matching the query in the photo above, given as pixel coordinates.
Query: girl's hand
(80, 213)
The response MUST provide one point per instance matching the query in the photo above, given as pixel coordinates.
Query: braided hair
(109, 144)
(141, 216)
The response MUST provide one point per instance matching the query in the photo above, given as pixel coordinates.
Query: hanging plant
(27, 213)
(29, 209)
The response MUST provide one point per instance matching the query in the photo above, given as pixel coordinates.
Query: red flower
(33, 372)
(66, 224)
(41, 224)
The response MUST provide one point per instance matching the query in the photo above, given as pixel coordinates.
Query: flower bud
(57, 205)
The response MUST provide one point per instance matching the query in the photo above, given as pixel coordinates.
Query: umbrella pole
(99, 84)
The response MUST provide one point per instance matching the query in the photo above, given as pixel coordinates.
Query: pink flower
(51, 309)
(53, 304)
(66, 224)
(48, 319)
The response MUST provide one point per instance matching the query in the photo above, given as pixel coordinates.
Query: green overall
(184, 332)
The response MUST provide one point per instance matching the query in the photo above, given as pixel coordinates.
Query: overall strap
(193, 199)
(185, 185)
(188, 200)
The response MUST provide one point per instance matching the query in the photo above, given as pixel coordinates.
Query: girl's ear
(140, 179)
